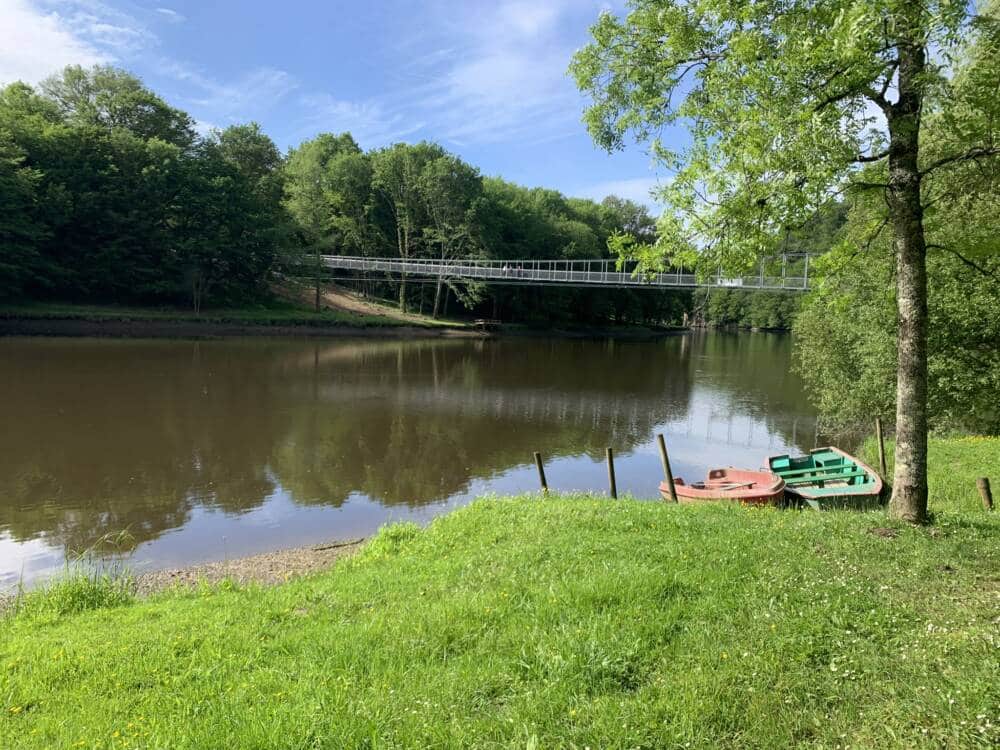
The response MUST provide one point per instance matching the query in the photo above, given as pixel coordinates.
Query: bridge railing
(575, 272)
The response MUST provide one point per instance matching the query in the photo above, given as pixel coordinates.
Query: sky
(487, 80)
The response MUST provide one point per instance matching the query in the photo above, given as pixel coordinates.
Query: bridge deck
(580, 273)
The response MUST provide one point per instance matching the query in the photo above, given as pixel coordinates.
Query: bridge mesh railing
(574, 272)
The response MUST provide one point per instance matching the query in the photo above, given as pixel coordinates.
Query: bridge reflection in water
(270, 443)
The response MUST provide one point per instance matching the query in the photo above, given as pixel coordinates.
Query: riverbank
(562, 621)
(277, 319)
(124, 322)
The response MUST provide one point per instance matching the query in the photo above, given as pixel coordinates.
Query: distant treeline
(108, 194)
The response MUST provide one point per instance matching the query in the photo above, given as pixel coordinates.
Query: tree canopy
(787, 104)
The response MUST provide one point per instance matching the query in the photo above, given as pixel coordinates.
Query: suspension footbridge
(788, 272)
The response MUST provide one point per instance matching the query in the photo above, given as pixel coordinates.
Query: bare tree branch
(966, 261)
(979, 152)
(867, 159)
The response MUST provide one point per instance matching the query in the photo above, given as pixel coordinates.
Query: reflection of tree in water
(138, 434)
(416, 422)
(130, 435)
(754, 392)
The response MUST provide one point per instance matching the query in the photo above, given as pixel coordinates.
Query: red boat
(750, 487)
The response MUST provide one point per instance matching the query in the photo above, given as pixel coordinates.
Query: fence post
(983, 483)
(541, 472)
(611, 474)
(667, 473)
(881, 447)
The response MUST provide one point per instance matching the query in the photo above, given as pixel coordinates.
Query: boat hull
(828, 477)
(739, 485)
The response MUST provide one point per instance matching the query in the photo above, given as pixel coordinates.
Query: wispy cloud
(510, 77)
(478, 73)
(103, 26)
(171, 15)
(369, 121)
(252, 94)
(35, 44)
(638, 189)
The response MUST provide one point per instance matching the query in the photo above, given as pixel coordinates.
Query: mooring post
(880, 437)
(541, 472)
(667, 474)
(983, 483)
(611, 474)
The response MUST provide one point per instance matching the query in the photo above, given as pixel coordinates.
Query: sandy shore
(267, 568)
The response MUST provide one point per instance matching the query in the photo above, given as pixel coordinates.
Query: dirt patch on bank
(268, 568)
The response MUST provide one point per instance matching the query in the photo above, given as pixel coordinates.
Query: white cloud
(35, 44)
(476, 73)
(509, 79)
(103, 26)
(171, 15)
(368, 121)
(228, 101)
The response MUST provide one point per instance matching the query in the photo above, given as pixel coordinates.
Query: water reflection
(206, 449)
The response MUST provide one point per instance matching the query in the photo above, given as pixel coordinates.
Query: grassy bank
(531, 622)
(277, 313)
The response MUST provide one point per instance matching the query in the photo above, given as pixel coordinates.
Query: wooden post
(541, 472)
(667, 474)
(880, 437)
(983, 483)
(611, 474)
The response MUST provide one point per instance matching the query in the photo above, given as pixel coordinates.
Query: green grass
(551, 622)
(269, 314)
(954, 464)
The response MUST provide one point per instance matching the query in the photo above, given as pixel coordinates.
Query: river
(204, 450)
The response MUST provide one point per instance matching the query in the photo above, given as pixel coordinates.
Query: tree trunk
(437, 296)
(317, 278)
(909, 485)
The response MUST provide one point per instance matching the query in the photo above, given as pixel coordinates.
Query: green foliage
(113, 99)
(781, 100)
(568, 619)
(117, 201)
(109, 197)
(846, 345)
(846, 333)
(746, 309)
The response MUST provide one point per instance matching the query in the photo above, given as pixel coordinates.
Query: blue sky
(487, 80)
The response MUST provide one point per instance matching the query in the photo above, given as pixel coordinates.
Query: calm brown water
(206, 450)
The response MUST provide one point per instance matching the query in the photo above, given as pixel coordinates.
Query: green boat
(828, 477)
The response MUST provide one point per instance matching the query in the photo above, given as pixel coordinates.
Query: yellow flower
(16, 709)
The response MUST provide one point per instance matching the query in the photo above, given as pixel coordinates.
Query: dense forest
(111, 196)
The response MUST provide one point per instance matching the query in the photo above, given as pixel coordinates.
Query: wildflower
(16, 709)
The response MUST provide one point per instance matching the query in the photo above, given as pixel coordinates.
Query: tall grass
(94, 578)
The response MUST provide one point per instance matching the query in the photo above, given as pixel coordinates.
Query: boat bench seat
(817, 470)
(827, 478)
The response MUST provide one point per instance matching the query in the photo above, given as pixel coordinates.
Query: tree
(396, 174)
(309, 196)
(786, 102)
(451, 189)
(19, 230)
(110, 98)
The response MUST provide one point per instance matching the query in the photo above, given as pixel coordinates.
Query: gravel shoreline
(268, 568)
